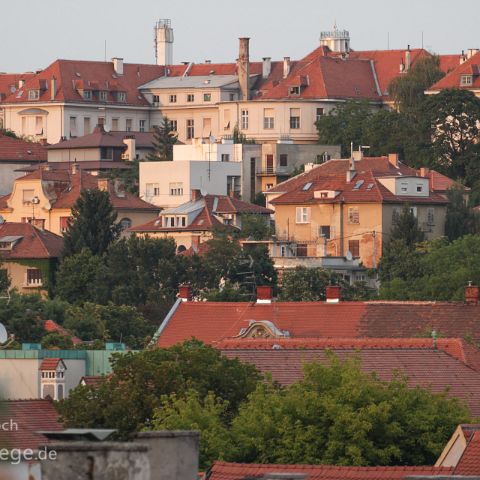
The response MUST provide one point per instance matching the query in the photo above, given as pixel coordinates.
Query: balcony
(269, 171)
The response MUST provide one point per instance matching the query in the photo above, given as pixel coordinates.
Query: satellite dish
(349, 255)
(204, 192)
(3, 334)
(107, 129)
(2, 220)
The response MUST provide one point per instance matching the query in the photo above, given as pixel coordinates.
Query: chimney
(408, 59)
(244, 68)
(130, 152)
(53, 88)
(195, 243)
(463, 57)
(196, 195)
(264, 294)
(74, 168)
(424, 172)
(266, 67)
(333, 294)
(471, 294)
(185, 293)
(351, 172)
(393, 159)
(286, 66)
(471, 52)
(118, 65)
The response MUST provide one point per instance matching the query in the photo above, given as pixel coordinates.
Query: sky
(34, 33)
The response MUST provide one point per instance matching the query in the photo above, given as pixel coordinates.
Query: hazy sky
(34, 33)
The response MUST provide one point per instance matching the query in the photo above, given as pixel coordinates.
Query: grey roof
(200, 81)
(185, 208)
(10, 238)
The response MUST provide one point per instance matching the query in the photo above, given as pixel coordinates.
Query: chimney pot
(185, 293)
(333, 293)
(471, 294)
(264, 294)
(118, 65)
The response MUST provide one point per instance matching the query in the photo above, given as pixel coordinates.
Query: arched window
(181, 248)
(60, 392)
(125, 223)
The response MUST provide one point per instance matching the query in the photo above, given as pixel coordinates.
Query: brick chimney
(185, 293)
(266, 67)
(118, 65)
(244, 68)
(264, 294)
(471, 294)
(286, 66)
(53, 88)
(196, 195)
(333, 294)
(393, 159)
(424, 172)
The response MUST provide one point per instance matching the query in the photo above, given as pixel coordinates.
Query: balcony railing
(273, 171)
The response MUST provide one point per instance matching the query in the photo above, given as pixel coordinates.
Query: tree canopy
(164, 138)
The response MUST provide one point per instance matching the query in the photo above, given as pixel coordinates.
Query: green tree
(256, 227)
(128, 177)
(406, 228)
(80, 278)
(127, 401)
(164, 138)
(4, 279)
(93, 225)
(240, 137)
(460, 219)
(303, 284)
(341, 415)
(54, 340)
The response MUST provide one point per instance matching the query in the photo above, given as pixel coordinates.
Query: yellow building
(345, 209)
(45, 198)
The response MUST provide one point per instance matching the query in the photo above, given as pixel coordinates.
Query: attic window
(87, 95)
(369, 186)
(121, 96)
(294, 90)
(466, 80)
(307, 186)
(33, 94)
(8, 242)
(358, 185)
(103, 95)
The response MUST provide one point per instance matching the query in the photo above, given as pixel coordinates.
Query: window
(268, 186)
(353, 216)
(307, 186)
(121, 97)
(156, 100)
(86, 125)
(294, 118)
(103, 96)
(233, 185)
(73, 127)
(294, 90)
(87, 95)
(106, 153)
(232, 97)
(128, 125)
(101, 121)
(152, 190)
(190, 129)
(431, 216)
(141, 125)
(225, 157)
(190, 97)
(419, 187)
(176, 189)
(226, 120)
(466, 80)
(303, 215)
(404, 187)
(64, 223)
(172, 99)
(325, 231)
(125, 223)
(33, 94)
(34, 277)
(207, 97)
(268, 118)
(283, 160)
(28, 196)
(395, 215)
(244, 120)
(173, 125)
(320, 113)
(24, 125)
(38, 125)
(207, 127)
(354, 247)
(183, 221)
(38, 222)
(115, 124)
(283, 250)
(302, 250)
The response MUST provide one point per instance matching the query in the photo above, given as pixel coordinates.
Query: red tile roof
(53, 327)
(17, 150)
(35, 243)
(31, 416)
(9, 82)
(441, 183)
(452, 79)
(244, 471)
(50, 364)
(91, 380)
(469, 463)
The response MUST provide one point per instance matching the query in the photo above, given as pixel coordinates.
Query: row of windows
(153, 189)
(115, 125)
(302, 249)
(269, 118)
(53, 374)
(189, 98)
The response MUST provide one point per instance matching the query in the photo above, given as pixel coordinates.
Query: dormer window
(33, 94)
(103, 96)
(87, 94)
(121, 97)
(294, 90)
(466, 80)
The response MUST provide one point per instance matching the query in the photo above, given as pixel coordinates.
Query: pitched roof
(441, 183)
(53, 327)
(243, 471)
(212, 322)
(441, 368)
(452, 79)
(31, 416)
(32, 242)
(9, 82)
(469, 463)
(92, 380)
(50, 364)
(364, 187)
(17, 150)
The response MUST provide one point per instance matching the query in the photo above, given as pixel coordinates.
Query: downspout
(342, 201)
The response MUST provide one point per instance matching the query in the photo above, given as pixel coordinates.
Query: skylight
(369, 186)
(307, 186)
(358, 184)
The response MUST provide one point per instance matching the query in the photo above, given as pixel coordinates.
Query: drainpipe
(342, 201)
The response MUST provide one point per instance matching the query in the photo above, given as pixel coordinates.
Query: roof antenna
(422, 40)
(105, 51)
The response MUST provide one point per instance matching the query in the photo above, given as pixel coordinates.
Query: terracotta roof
(469, 463)
(201, 250)
(441, 183)
(452, 79)
(31, 416)
(50, 364)
(92, 380)
(17, 150)
(440, 369)
(212, 322)
(9, 82)
(365, 186)
(53, 327)
(244, 471)
(34, 243)
(101, 138)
